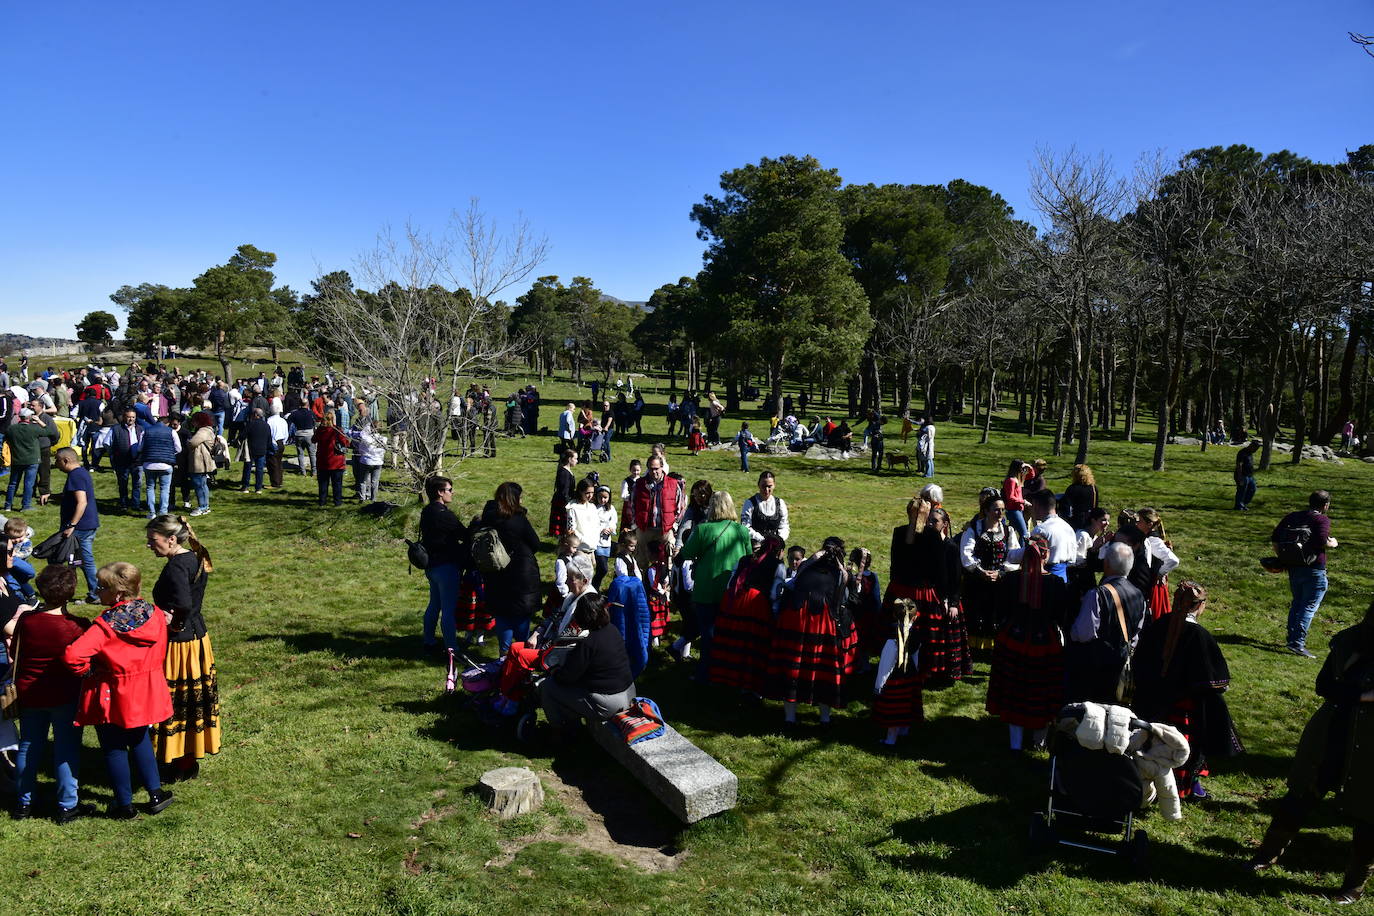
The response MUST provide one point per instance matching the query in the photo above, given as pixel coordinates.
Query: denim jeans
(930, 466)
(123, 475)
(443, 604)
(118, 743)
(34, 723)
(509, 630)
(219, 421)
(86, 540)
(1017, 519)
(158, 487)
(1245, 491)
(305, 451)
(1308, 585)
(258, 465)
(21, 577)
(29, 473)
(369, 478)
(331, 480)
(202, 484)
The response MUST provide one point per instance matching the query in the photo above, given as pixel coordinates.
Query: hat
(26, 412)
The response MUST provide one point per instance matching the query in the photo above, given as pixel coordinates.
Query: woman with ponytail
(925, 569)
(193, 729)
(811, 653)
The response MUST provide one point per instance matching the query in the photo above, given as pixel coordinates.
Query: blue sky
(147, 140)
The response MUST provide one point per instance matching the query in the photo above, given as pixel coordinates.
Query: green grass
(342, 785)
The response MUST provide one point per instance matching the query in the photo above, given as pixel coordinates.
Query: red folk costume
(811, 653)
(1026, 684)
(744, 625)
(926, 570)
(123, 652)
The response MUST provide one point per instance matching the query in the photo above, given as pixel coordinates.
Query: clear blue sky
(147, 140)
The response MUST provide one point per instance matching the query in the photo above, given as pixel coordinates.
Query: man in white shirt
(1063, 543)
(281, 431)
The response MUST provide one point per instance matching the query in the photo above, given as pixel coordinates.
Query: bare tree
(1367, 41)
(1075, 259)
(414, 322)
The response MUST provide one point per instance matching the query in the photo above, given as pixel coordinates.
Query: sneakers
(1199, 790)
(121, 813)
(67, 815)
(1301, 651)
(198, 512)
(21, 811)
(158, 799)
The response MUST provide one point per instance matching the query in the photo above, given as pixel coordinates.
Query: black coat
(514, 591)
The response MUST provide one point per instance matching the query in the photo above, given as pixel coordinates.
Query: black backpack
(417, 555)
(1292, 542)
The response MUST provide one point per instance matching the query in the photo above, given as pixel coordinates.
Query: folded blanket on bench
(641, 722)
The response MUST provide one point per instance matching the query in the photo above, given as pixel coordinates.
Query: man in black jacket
(257, 439)
(125, 444)
(1105, 631)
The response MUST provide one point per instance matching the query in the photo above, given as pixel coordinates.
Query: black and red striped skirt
(808, 661)
(658, 614)
(943, 639)
(473, 614)
(899, 704)
(1026, 685)
(744, 629)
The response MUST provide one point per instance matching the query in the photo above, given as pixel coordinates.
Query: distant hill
(18, 343)
(636, 305)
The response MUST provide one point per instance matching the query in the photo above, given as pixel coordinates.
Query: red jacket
(644, 498)
(125, 685)
(325, 437)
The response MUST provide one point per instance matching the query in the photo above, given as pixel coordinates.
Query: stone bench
(689, 781)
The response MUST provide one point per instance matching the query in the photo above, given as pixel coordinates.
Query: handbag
(9, 694)
(1125, 681)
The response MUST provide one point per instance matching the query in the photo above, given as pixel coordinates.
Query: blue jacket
(629, 610)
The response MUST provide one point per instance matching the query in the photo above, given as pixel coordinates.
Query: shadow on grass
(350, 644)
(1235, 639)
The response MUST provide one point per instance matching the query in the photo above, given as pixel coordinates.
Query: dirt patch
(617, 825)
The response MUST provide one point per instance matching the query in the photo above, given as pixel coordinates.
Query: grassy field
(343, 783)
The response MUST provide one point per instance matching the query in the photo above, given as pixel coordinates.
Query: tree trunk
(220, 355)
(992, 381)
(1063, 416)
(1346, 383)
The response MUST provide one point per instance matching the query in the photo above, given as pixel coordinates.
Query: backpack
(1291, 544)
(488, 552)
(416, 554)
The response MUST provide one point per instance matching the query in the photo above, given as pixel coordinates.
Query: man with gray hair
(1105, 631)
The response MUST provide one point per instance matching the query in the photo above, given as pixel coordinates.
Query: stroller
(505, 693)
(1092, 793)
(597, 445)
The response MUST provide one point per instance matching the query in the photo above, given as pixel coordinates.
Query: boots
(1359, 868)
(1276, 839)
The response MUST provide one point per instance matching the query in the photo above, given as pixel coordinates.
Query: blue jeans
(219, 421)
(33, 746)
(29, 472)
(118, 743)
(1245, 491)
(202, 484)
(443, 604)
(86, 540)
(258, 465)
(930, 466)
(158, 487)
(123, 475)
(21, 577)
(1017, 519)
(331, 480)
(509, 630)
(1308, 585)
(744, 456)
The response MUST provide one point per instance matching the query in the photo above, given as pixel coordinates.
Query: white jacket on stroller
(1155, 751)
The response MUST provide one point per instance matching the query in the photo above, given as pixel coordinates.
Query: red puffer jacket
(668, 499)
(123, 654)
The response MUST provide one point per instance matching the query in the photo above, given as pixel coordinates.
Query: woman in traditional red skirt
(564, 489)
(473, 615)
(744, 624)
(813, 636)
(1181, 677)
(897, 705)
(925, 569)
(988, 551)
(1026, 684)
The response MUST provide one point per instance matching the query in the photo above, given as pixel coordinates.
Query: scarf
(128, 615)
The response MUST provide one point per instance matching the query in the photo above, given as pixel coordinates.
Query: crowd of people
(1060, 601)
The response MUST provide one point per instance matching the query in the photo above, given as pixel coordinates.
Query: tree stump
(510, 791)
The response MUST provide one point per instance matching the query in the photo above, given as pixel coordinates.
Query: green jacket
(717, 548)
(23, 440)
(1339, 738)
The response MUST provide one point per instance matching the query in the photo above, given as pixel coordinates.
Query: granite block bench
(689, 781)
